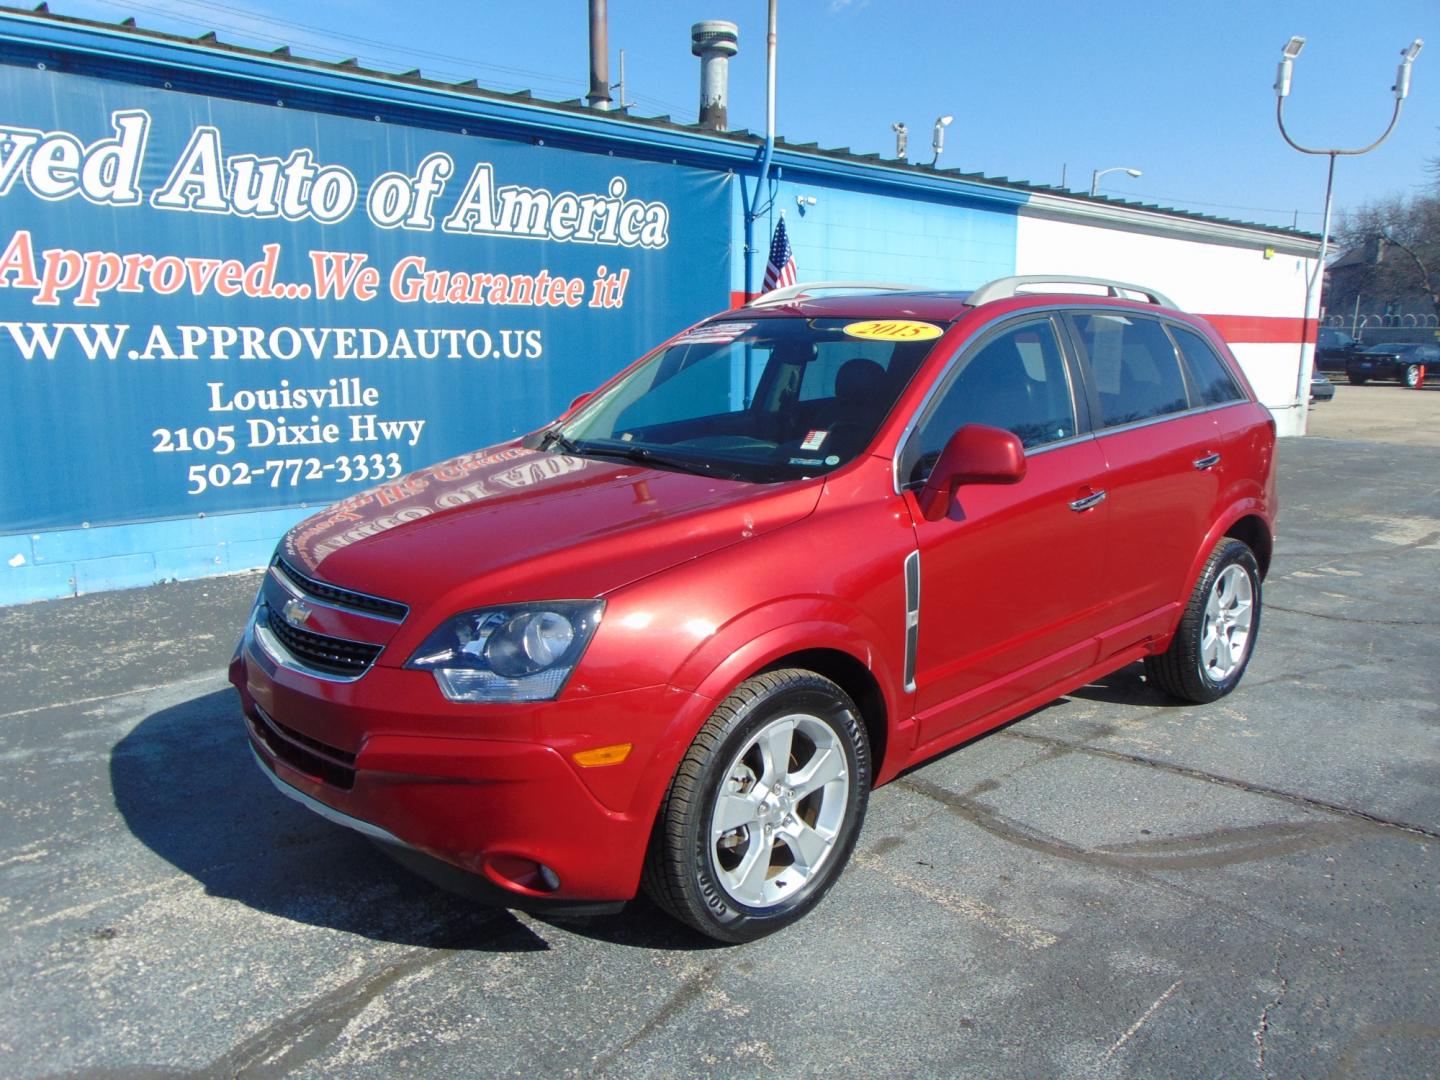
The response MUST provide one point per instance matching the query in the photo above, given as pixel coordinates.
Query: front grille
(332, 655)
(310, 756)
(346, 598)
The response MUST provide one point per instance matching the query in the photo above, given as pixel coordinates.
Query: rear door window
(1133, 366)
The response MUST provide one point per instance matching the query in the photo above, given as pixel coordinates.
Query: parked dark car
(1401, 361)
(1333, 349)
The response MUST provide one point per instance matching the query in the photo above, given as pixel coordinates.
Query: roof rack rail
(1004, 288)
(805, 288)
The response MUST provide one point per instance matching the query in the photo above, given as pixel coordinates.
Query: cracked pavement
(1112, 886)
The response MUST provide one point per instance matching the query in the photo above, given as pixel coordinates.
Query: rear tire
(1216, 637)
(764, 810)
(1411, 376)
(1356, 380)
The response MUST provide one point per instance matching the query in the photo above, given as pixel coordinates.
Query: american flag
(780, 270)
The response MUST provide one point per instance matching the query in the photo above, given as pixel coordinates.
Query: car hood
(510, 524)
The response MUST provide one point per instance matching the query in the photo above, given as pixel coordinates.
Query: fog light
(602, 755)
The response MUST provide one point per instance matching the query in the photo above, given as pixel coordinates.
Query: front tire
(764, 810)
(1411, 376)
(1216, 637)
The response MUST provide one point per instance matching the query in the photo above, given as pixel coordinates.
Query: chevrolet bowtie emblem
(295, 612)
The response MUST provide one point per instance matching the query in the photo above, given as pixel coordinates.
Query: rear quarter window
(1210, 377)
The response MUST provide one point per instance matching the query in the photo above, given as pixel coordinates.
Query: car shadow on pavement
(1127, 686)
(187, 787)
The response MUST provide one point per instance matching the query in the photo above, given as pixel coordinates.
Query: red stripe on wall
(1262, 329)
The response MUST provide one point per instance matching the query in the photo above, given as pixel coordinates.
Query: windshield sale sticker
(714, 334)
(893, 330)
(814, 440)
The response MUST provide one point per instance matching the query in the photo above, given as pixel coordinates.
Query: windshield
(766, 400)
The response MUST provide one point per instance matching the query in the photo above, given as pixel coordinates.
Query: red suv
(674, 639)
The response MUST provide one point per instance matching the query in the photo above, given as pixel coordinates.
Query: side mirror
(976, 454)
(580, 400)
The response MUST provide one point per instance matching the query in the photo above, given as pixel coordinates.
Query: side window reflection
(1015, 380)
(1134, 367)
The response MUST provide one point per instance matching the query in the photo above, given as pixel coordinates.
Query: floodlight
(1402, 74)
(1287, 57)
(937, 140)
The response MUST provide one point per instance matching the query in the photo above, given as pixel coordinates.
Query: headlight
(517, 653)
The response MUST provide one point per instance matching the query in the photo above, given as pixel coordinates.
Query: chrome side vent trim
(912, 617)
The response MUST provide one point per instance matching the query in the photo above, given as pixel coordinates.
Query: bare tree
(1399, 243)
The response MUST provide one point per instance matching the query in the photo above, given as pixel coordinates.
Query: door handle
(1209, 461)
(1086, 502)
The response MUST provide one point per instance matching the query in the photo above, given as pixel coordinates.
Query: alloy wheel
(1229, 618)
(779, 810)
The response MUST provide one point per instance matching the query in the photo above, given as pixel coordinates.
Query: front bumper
(490, 791)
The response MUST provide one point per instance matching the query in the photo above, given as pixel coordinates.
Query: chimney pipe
(714, 41)
(599, 96)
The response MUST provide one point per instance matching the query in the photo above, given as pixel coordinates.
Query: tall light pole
(1401, 90)
(1095, 176)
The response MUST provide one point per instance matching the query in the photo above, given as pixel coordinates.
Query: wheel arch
(858, 682)
(840, 644)
(835, 639)
(1246, 521)
(1254, 532)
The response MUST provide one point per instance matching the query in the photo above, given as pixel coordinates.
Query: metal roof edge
(1160, 222)
(530, 118)
(896, 174)
(531, 115)
(561, 122)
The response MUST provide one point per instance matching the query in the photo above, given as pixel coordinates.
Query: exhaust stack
(599, 96)
(714, 41)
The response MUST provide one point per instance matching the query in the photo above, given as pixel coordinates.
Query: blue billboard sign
(209, 305)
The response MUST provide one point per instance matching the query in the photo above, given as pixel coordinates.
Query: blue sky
(1181, 91)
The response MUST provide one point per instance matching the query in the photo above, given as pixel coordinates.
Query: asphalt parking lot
(1112, 886)
(1380, 412)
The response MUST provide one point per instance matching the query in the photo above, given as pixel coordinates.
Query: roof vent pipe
(599, 96)
(714, 41)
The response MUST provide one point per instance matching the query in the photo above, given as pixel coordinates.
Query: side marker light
(602, 755)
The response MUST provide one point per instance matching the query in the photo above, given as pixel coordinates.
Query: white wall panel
(1205, 278)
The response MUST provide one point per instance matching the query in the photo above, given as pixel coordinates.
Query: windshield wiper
(556, 437)
(644, 455)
